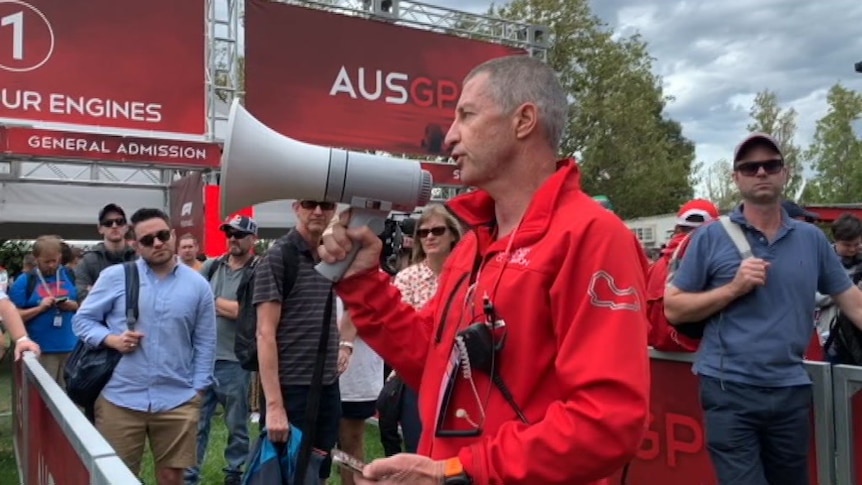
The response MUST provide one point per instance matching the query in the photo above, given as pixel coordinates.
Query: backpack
(844, 336)
(32, 280)
(245, 343)
(684, 337)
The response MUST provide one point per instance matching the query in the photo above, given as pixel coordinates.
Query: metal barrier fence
(53, 438)
(54, 442)
(674, 451)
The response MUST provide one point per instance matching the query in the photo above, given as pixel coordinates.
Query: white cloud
(714, 55)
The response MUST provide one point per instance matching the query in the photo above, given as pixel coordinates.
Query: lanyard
(45, 283)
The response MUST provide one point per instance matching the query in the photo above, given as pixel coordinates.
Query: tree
(836, 152)
(718, 184)
(628, 148)
(768, 117)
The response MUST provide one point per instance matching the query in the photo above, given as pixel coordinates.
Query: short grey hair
(515, 80)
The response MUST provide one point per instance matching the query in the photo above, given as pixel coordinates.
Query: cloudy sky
(715, 55)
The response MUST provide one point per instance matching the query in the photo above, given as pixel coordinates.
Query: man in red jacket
(544, 297)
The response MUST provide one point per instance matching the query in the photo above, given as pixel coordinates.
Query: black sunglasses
(118, 222)
(230, 233)
(437, 231)
(750, 169)
(164, 236)
(313, 204)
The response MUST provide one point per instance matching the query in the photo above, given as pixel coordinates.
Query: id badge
(448, 380)
(58, 320)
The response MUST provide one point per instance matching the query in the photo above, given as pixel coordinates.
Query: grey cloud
(715, 55)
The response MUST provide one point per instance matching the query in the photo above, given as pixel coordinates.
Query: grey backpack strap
(737, 236)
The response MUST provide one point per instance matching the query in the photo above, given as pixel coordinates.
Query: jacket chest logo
(518, 257)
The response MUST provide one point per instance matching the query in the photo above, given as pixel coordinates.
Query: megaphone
(259, 165)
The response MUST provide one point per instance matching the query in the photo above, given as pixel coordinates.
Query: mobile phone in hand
(342, 459)
(61, 299)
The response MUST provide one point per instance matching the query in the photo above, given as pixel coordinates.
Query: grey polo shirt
(224, 283)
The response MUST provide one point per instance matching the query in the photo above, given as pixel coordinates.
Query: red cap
(702, 208)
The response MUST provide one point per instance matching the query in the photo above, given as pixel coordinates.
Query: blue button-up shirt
(176, 355)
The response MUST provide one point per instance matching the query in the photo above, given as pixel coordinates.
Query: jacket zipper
(445, 313)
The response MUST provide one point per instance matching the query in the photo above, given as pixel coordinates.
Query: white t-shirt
(363, 379)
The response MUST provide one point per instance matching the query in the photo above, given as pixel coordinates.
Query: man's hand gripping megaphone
(340, 241)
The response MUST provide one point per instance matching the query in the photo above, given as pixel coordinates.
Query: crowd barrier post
(53, 439)
(846, 382)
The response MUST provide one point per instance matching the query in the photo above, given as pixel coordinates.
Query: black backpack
(32, 280)
(844, 336)
(245, 344)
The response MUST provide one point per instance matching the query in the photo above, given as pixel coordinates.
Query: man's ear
(526, 120)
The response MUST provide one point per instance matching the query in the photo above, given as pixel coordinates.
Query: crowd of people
(514, 337)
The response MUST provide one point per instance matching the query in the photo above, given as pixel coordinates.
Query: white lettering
(342, 84)
(134, 149)
(63, 104)
(392, 86)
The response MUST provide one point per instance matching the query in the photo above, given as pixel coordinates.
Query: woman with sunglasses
(436, 233)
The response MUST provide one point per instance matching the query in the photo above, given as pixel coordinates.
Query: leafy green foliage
(628, 148)
(836, 152)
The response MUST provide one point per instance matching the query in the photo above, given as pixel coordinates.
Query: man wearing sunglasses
(754, 390)
(154, 394)
(231, 381)
(112, 250)
(289, 326)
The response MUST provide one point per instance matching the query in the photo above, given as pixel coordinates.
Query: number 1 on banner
(16, 20)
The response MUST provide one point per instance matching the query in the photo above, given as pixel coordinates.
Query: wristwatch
(454, 474)
(346, 344)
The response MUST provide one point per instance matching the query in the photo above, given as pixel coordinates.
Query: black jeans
(757, 435)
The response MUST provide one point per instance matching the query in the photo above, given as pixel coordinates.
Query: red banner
(92, 146)
(215, 243)
(186, 197)
(114, 63)
(350, 82)
(674, 448)
(443, 173)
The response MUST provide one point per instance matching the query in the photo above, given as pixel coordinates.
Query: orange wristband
(452, 467)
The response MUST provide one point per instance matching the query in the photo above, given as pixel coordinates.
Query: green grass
(213, 464)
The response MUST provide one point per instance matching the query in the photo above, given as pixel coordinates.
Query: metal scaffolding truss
(223, 66)
(89, 173)
(532, 38)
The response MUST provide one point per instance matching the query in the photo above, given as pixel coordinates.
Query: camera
(396, 228)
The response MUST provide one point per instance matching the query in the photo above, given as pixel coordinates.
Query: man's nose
(452, 137)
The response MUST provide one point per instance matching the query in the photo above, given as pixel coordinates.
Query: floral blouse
(417, 284)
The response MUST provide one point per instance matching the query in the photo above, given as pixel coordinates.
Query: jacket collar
(476, 208)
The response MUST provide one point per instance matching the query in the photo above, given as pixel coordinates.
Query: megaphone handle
(358, 217)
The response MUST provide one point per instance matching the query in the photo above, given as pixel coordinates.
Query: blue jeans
(757, 435)
(230, 389)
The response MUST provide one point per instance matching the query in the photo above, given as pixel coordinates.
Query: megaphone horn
(260, 165)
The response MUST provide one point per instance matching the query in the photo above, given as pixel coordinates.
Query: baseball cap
(111, 208)
(754, 138)
(696, 212)
(794, 210)
(240, 223)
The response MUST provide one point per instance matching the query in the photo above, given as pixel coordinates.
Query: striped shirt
(298, 333)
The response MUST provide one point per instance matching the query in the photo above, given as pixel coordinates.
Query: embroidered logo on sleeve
(606, 294)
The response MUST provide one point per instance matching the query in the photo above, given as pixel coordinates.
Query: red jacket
(575, 355)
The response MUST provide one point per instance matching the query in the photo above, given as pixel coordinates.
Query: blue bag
(275, 463)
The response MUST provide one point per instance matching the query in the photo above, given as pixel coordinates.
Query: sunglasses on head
(313, 204)
(232, 233)
(164, 236)
(117, 222)
(437, 231)
(750, 169)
